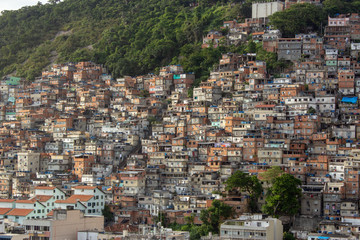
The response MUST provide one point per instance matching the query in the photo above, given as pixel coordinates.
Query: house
(289, 48)
(47, 196)
(28, 162)
(82, 164)
(213, 38)
(249, 226)
(64, 224)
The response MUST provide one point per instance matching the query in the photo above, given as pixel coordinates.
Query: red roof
(84, 187)
(4, 210)
(20, 212)
(7, 200)
(41, 198)
(258, 33)
(45, 188)
(75, 198)
(31, 201)
(265, 106)
(51, 213)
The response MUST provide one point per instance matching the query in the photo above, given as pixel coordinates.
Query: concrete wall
(263, 10)
(67, 226)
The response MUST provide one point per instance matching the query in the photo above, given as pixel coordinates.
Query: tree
(190, 92)
(108, 214)
(271, 174)
(53, 1)
(152, 119)
(161, 219)
(273, 65)
(196, 232)
(144, 93)
(128, 37)
(215, 215)
(283, 196)
(333, 7)
(288, 236)
(299, 18)
(251, 47)
(311, 110)
(190, 219)
(246, 183)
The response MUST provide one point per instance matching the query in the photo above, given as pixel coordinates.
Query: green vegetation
(245, 183)
(129, 37)
(136, 37)
(283, 197)
(195, 59)
(215, 215)
(305, 18)
(299, 18)
(196, 232)
(288, 236)
(273, 65)
(311, 110)
(160, 218)
(108, 214)
(332, 7)
(212, 218)
(271, 174)
(144, 93)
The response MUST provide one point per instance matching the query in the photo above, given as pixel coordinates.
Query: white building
(26, 209)
(28, 162)
(90, 200)
(344, 131)
(325, 103)
(300, 103)
(252, 227)
(264, 10)
(59, 163)
(48, 195)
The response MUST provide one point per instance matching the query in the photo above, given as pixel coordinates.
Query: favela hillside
(180, 119)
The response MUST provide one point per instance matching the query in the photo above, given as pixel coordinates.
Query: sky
(16, 4)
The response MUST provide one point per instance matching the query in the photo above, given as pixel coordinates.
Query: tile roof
(20, 212)
(84, 187)
(41, 198)
(51, 213)
(4, 210)
(26, 201)
(45, 188)
(75, 198)
(7, 200)
(265, 106)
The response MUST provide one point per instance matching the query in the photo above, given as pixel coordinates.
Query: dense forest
(132, 37)
(129, 37)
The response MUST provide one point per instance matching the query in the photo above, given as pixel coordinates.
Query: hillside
(129, 37)
(133, 37)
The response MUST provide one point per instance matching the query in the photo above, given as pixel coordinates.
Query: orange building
(82, 165)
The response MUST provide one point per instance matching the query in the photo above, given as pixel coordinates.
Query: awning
(349, 100)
